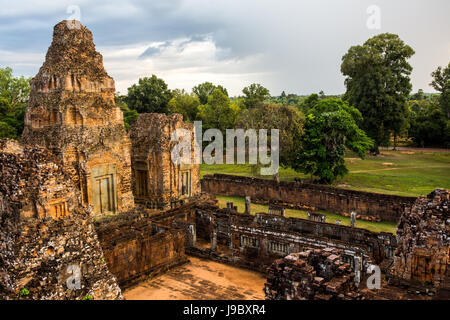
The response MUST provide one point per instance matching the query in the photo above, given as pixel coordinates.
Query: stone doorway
(141, 183)
(104, 189)
(105, 195)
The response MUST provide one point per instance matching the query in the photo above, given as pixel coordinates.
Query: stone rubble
(423, 236)
(38, 245)
(311, 275)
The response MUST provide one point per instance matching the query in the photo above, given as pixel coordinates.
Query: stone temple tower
(71, 111)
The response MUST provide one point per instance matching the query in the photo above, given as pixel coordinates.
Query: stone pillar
(276, 177)
(358, 267)
(247, 205)
(192, 235)
(353, 219)
(214, 239)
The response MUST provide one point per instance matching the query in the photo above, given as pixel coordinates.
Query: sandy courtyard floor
(201, 280)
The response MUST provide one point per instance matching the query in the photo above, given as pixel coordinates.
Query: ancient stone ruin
(311, 275)
(423, 237)
(71, 111)
(47, 239)
(76, 164)
(159, 182)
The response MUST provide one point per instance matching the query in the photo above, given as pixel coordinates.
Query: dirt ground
(201, 280)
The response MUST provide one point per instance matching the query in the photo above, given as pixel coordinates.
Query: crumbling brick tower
(157, 182)
(71, 111)
(45, 233)
(423, 236)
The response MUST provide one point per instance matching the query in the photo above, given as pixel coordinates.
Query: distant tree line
(316, 130)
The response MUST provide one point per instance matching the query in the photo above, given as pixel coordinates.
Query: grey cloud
(300, 42)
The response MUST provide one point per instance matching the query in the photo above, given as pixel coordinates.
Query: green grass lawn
(331, 217)
(407, 173)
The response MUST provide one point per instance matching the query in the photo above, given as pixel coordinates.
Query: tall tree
(14, 89)
(378, 84)
(14, 93)
(219, 113)
(429, 126)
(255, 94)
(441, 82)
(149, 95)
(204, 90)
(331, 127)
(287, 119)
(307, 103)
(420, 95)
(186, 104)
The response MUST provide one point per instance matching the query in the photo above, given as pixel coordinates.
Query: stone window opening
(249, 242)
(278, 247)
(186, 183)
(58, 210)
(73, 117)
(141, 183)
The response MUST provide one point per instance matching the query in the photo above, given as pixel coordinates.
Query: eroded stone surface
(159, 182)
(311, 275)
(71, 111)
(46, 235)
(423, 236)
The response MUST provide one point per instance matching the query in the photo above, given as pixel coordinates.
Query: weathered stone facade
(46, 235)
(77, 161)
(254, 242)
(311, 275)
(368, 206)
(423, 236)
(136, 247)
(71, 111)
(157, 181)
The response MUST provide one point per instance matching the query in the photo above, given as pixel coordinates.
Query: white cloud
(288, 45)
(182, 64)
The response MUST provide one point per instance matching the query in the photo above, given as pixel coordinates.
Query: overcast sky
(290, 45)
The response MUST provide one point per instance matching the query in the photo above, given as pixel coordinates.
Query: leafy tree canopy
(204, 90)
(287, 119)
(441, 83)
(186, 104)
(378, 84)
(129, 116)
(331, 127)
(254, 95)
(14, 93)
(15, 90)
(429, 125)
(219, 113)
(149, 95)
(310, 101)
